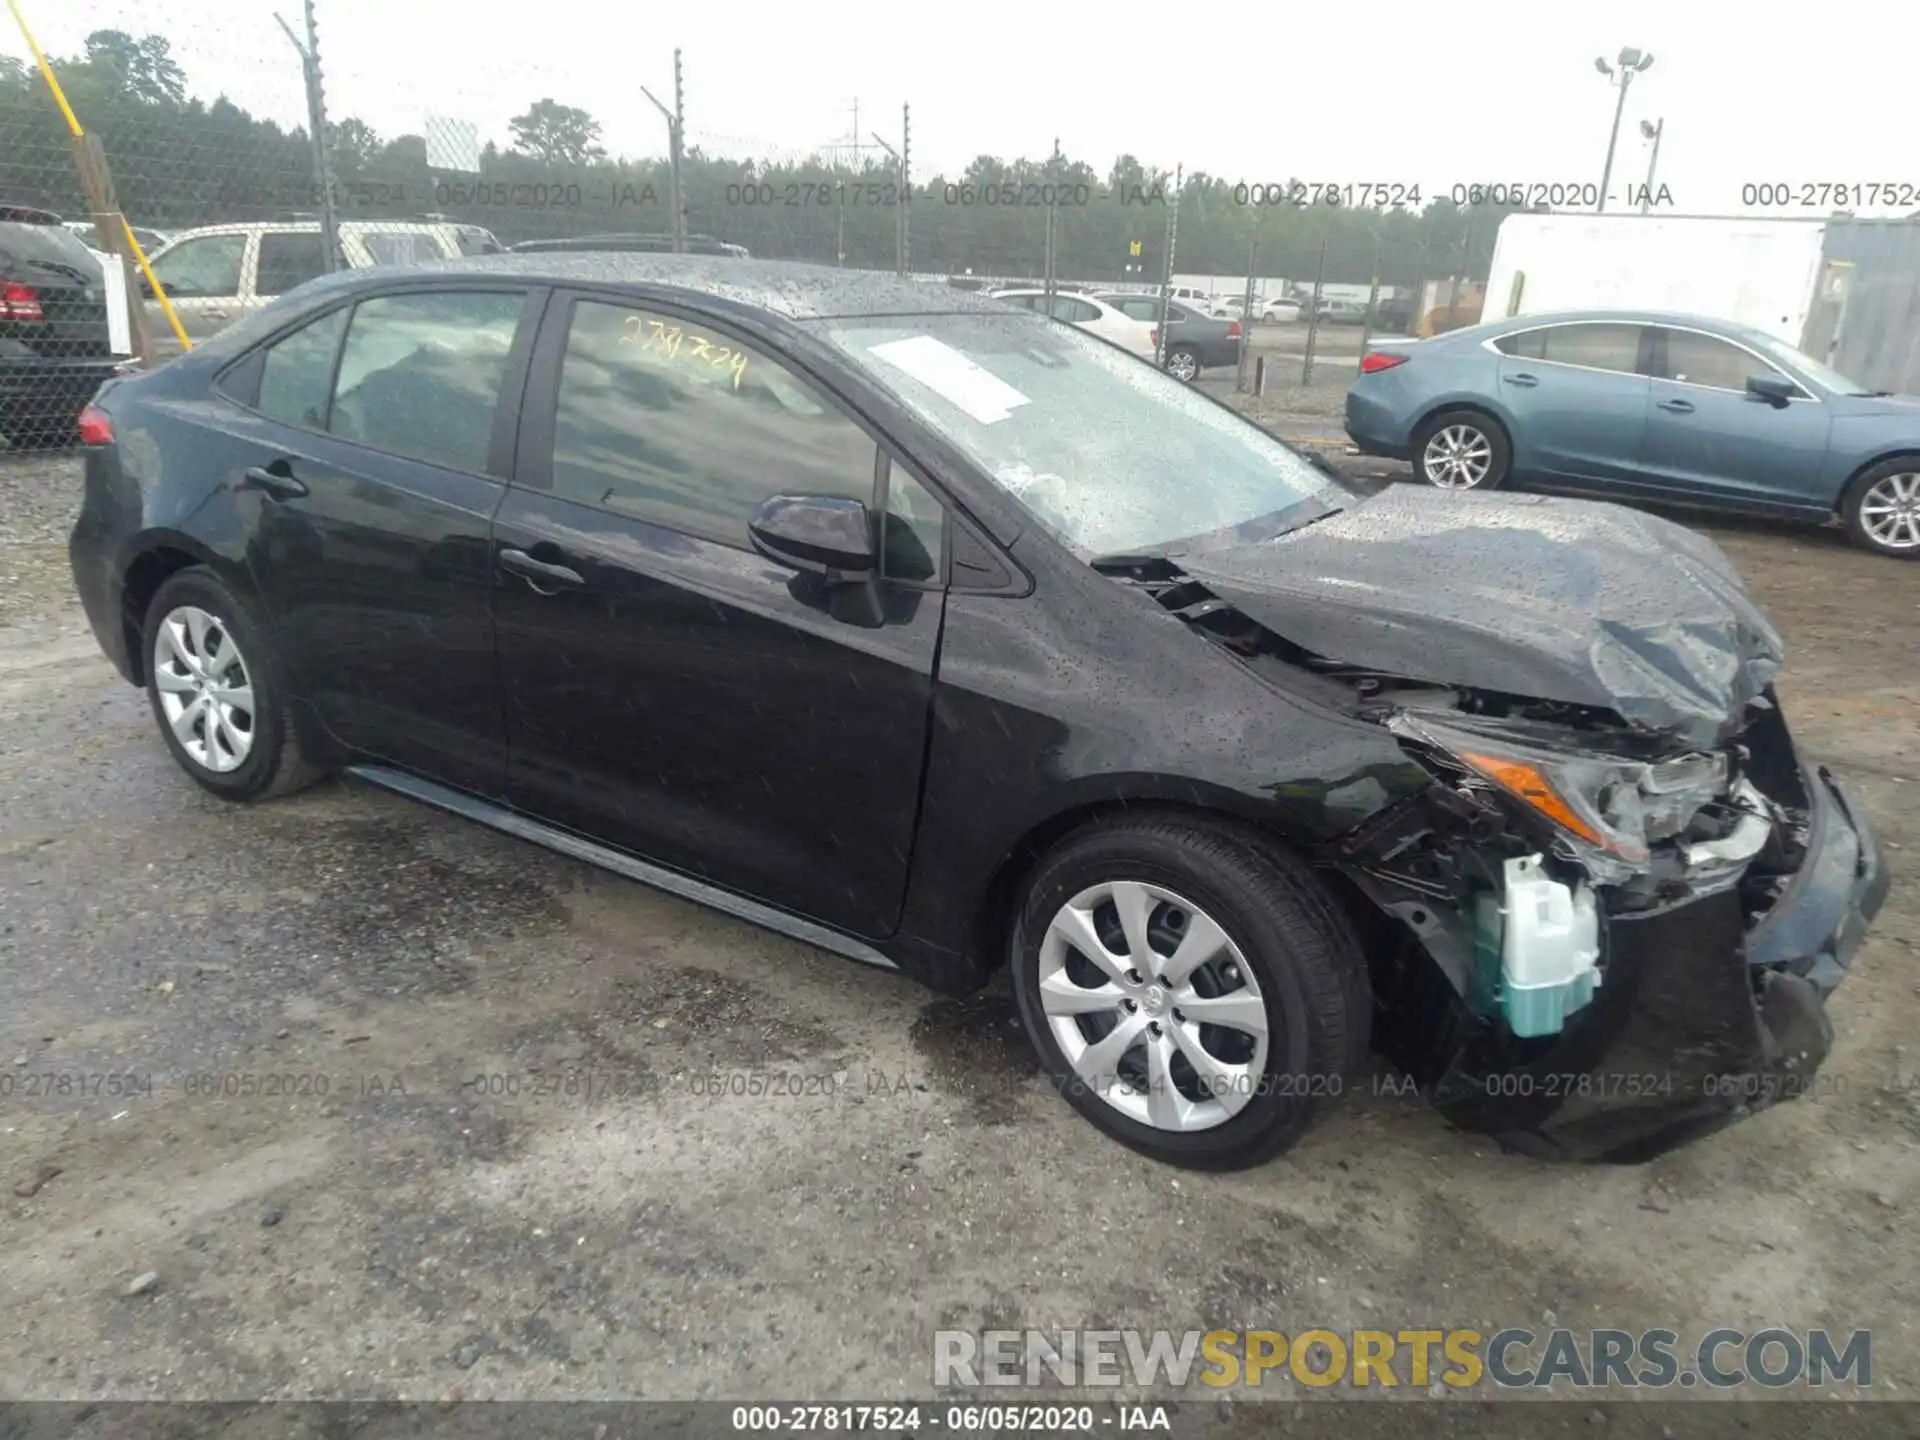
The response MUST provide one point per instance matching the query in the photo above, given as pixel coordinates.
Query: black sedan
(1195, 340)
(948, 638)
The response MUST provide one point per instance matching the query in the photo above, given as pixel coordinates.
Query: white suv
(215, 274)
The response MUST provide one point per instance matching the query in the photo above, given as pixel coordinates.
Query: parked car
(150, 240)
(1231, 307)
(1649, 406)
(217, 273)
(1096, 317)
(1195, 339)
(1282, 310)
(654, 244)
(1339, 312)
(941, 639)
(55, 342)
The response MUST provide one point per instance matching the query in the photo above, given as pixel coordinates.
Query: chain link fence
(159, 177)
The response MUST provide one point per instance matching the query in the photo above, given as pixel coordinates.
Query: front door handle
(275, 481)
(1527, 381)
(538, 573)
(1676, 407)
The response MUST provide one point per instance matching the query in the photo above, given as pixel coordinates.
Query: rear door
(374, 460)
(1577, 394)
(1708, 439)
(669, 691)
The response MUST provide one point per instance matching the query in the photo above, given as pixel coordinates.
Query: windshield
(1825, 376)
(1107, 452)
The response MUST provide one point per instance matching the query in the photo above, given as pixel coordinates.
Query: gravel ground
(590, 1220)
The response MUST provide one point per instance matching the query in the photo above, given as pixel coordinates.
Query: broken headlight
(1611, 809)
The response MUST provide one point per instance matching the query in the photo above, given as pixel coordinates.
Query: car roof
(786, 288)
(1623, 317)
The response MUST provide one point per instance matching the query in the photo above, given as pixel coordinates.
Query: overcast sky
(1388, 93)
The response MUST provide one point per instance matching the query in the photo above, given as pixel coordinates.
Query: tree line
(180, 160)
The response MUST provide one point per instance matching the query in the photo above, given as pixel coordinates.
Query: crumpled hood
(1568, 600)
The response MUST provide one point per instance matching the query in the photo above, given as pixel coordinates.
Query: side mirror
(1774, 389)
(824, 535)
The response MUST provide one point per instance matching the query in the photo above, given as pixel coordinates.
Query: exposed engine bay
(1546, 822)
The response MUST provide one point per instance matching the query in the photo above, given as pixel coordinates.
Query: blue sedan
(1639, 405)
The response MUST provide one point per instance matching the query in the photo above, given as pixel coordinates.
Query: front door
(669, 691)
(369, 497)
(204, 280)
(1709, 438)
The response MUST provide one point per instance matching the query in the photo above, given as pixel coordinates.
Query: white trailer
(1766, 273)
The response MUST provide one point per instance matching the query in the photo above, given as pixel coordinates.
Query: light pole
(1631, 63)
(1651, 132)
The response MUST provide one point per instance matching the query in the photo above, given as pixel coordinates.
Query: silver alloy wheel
(1457, 458)
(1170, 1029)
(1182, 366)
(1890, 511)
(205, 691)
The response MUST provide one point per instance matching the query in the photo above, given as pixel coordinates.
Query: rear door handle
(538, 573)
(1676, 407)
(274, 481)
(1523, 380)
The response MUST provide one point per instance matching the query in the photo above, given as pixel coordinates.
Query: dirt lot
(408, 1233)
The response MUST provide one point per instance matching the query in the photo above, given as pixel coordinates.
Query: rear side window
(1597, 347)
(1074, 312)
(421, 375)
(1140, 309)
(297, 371)
(287, 261)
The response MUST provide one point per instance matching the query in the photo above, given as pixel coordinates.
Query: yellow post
(73, 124)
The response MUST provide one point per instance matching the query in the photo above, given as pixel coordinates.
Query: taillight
(1153, 334)
(1233, 329)
(20, 302)
(1380, 360)
(95, 427)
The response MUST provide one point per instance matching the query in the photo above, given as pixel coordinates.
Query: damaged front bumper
(1707, 1014)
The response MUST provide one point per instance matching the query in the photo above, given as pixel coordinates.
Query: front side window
(915, 529)
(421, 374)
(681, 426)
(287, 261)
(1110, 455)
(298, 370)
(400, 248)
(1696, 359)
(207, 266)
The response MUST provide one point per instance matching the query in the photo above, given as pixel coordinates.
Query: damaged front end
(1595, 939)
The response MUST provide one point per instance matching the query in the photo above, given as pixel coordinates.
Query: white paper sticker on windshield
(951, 375)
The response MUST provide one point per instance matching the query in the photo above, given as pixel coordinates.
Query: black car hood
(1568, 600)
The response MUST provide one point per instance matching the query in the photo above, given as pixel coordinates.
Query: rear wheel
(1183, 364)
(216, 694)
(1882, 509)
(1461, 450)
(1192, 992)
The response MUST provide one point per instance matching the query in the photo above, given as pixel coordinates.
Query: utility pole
(676, 129)
(1047, 283)
(1166, 270)
(853, 144)
(1651, 132)
(1632, 62)
(317, 133)
(905, 181)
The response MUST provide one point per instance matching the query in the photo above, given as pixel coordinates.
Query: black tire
(1854, 502)
(1179, 358)
(1500, 452)
(273, 764)
(1303, 953)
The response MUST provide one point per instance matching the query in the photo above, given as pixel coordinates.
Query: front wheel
(1183, 365)
(1882, 509)
(1189, 990)
(1461, 450)
(215, 691)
